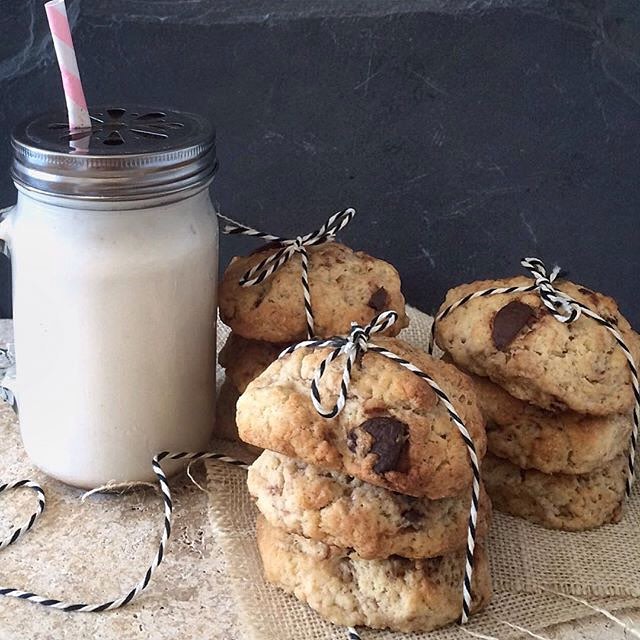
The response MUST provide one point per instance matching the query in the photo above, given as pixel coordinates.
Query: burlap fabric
(528, 562)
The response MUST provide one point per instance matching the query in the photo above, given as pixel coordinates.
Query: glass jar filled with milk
(114, 251)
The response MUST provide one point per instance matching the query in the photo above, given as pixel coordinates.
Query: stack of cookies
(346, 286)
(557, 399)
(364, 515)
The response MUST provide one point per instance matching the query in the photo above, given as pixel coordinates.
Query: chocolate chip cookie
(393, 431)
(226, 412)
(395, 593)
(533, 438)
(346, 286)
(514, 340)
(346, 512)
(226, 427)
(558, 501)
(244, 360)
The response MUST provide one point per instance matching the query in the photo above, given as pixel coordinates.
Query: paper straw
(63, 43)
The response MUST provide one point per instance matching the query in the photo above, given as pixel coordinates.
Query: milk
(114, 318)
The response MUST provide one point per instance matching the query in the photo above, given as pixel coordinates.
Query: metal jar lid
(130, 152)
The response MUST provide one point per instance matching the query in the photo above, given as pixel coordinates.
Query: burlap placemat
(527, 561)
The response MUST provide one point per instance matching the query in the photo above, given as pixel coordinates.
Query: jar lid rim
(131, 151)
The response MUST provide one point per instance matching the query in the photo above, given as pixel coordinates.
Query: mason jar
(114, 251)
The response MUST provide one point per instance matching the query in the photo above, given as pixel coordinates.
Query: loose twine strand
(607, 614)
(119, 488)
(18, 532)
(523, 630)
(125, 599)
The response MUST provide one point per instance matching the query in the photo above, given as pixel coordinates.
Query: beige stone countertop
(96, 550)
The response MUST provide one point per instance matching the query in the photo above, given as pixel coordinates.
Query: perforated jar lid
(130, 152)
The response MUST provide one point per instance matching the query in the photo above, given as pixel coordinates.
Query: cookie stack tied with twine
(290, 290)
(370, 508)
(553, 364)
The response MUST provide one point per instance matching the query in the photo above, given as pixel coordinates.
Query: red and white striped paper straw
(63, 43)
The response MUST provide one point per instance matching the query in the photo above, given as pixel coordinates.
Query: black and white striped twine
(352, 347)
(166, 532)
(288, 248)
(18, 532)
(565, 309)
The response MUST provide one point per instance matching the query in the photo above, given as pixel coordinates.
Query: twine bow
(565, 309)
(561, 305)
(289, 248)
(354, 345)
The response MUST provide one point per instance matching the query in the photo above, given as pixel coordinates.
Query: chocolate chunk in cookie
(379, 299)
(389, 437)
(509, 322)
(413, 516)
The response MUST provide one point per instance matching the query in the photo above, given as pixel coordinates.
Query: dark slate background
(466, 134)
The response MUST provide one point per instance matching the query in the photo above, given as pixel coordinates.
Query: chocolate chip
(352, 440)
(372, 408)
(389, 437)
(509, 321)
(262, 294)
(595, 299)
(592, 295)
(404, 462)
(379, 299)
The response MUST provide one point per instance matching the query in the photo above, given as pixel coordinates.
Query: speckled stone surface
(96, 550)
